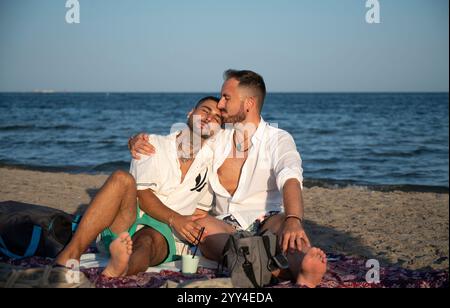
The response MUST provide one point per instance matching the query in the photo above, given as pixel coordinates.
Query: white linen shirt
(272, 160)
(161, 173)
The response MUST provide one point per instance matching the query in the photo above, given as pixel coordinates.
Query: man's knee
(274, 223)
(123, 178)
(214, 226)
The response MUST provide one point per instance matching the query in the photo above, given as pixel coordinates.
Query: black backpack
(28, 230)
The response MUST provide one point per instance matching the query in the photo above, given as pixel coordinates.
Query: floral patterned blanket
(343, 272)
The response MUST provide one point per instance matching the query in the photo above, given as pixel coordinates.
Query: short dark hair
(207, 98)
(248, 79)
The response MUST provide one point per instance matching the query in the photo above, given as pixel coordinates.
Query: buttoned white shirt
(272, 160)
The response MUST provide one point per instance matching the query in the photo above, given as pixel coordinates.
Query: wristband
(294, 216)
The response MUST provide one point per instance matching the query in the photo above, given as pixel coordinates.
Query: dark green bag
(28, 230)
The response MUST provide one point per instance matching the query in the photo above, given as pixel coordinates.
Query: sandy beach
(410, 229)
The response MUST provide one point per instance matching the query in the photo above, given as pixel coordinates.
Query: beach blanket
(343, 272)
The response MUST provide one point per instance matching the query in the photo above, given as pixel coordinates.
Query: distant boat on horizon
(44, 91)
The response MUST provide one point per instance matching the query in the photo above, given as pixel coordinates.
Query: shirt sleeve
(287, 163)
(206, 202)
(145, 172)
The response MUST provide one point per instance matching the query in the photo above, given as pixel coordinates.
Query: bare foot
(313, 268)
(120, 249)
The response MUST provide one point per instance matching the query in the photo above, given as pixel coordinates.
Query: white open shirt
(272, 160)
(161, 173)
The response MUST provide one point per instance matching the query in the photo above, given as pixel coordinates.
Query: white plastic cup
(189, 264)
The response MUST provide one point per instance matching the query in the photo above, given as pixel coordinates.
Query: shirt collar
(173, 140)
(259, 134)
(256, 138)
(205, 148)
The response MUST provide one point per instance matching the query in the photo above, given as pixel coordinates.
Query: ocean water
(377, 139)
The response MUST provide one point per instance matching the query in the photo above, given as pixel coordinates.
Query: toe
(124, 236)
(314, 251)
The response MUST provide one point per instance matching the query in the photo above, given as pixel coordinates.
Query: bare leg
(130, 257)
(150, 249)
(306, 267)
(114, 206)
(218, 234)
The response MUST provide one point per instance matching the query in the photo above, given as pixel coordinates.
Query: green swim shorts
(107, 236)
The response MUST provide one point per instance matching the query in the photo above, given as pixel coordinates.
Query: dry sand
(405, 228)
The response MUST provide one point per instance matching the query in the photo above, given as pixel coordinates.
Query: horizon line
(209, 92)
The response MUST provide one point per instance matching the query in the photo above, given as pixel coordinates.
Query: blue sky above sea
(184, 46)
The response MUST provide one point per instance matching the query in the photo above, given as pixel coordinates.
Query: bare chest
(184, 168)
(230, 172)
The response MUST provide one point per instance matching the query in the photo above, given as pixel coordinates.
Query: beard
(205, 132)
(238, 117)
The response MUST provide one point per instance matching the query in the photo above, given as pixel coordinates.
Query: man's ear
(190, 113)
(250, 103)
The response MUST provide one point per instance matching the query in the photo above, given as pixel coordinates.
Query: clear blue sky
(179, 45)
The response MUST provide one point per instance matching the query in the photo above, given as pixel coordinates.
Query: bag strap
(248, 268)
(32, 247)
(223, 259)
(272, 266)
(75, 222)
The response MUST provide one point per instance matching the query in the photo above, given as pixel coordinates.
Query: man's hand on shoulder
(139, 144)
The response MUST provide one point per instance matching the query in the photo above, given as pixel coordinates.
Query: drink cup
(189, 264)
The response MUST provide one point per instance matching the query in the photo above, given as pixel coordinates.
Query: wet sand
(409, 229)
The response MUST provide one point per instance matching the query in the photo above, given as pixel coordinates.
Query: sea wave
(22, 127)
